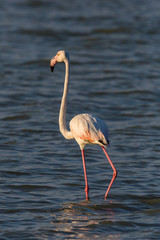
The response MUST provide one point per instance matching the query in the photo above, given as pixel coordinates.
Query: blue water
(115, 71)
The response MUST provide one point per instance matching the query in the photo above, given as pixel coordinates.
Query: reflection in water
(79, 220)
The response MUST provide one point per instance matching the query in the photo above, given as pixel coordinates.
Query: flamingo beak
(53, 63)
(52, 68)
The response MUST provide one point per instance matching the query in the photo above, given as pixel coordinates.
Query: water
(114, 52)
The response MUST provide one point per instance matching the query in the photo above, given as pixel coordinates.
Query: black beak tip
(52, 68)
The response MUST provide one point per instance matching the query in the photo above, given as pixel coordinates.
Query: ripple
(16, 117)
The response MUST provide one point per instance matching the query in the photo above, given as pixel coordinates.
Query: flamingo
(84, 128)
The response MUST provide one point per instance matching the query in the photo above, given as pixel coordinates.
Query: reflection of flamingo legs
(84, 128)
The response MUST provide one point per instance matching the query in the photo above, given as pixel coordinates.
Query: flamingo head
(61, 56)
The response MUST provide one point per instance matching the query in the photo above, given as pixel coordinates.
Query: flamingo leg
(114, 171)
(85, 175)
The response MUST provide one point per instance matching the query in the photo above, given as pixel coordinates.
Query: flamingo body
(84, 128)
(87, 129)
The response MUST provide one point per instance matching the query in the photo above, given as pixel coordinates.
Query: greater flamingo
(84, 128)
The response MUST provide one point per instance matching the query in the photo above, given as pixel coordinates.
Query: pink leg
(85, 175)
(114, 171)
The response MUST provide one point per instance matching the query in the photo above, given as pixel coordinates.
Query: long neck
(62, 114)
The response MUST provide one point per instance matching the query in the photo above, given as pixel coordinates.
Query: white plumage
(87, 129)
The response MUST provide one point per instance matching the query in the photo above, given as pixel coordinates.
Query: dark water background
(114, 49)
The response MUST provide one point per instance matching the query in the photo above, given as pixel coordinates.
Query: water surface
(114, 52)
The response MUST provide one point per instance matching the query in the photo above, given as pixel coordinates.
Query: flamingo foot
(87, 192)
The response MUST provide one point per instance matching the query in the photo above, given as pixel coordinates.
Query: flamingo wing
(88, 129)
